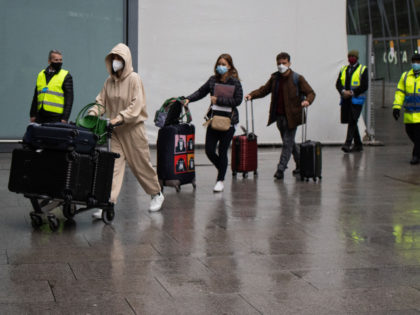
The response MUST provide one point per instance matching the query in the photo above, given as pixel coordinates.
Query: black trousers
(47, 119)
(220, 160)
(353, 134)
(350, 114)
(413, 132)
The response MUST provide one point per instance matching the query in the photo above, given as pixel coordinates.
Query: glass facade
(394, 25)
(84, 31)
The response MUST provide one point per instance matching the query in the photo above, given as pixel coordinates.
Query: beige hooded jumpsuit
(123, 98)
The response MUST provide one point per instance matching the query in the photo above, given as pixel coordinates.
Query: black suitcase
(52, 174)
(104, 172)
(59, 136)
(310, 154)
(175, 155)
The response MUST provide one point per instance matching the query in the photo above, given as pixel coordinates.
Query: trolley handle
(109, 129)
(252, 117)
(304, 123)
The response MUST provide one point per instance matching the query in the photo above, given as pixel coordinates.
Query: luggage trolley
(94, 189)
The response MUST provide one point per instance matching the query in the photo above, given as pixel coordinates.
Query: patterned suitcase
(310, 154)
(245, 149)
(175, 155)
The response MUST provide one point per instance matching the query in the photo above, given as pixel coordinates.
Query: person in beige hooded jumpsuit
(124, 102)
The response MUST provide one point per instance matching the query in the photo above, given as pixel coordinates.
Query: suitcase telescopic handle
(304, 123)
(246, 116)
(252, 116)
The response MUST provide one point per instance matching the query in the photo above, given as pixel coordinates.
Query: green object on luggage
(96, 124)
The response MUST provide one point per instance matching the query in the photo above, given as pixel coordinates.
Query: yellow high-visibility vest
(51, 95)
(356, 78)
(408, 95)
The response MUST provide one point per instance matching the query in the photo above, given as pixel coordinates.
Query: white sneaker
(97, 215)
(156, 203)
(219, 186)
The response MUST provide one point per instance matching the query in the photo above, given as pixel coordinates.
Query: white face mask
(117, 65)
(282, 68)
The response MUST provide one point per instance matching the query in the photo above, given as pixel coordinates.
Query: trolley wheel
(53, 222)
(245, 174)
(108, 215)
(36, 219)
(178, 188)
(69, 210)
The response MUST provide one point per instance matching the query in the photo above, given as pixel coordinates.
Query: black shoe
(279, 174)
(346, 148)
(296, 171)
(415, 160)
(357, 148)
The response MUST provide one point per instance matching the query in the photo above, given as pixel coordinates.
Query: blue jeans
(289, 145)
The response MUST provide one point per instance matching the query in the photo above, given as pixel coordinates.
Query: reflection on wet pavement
(349, 244)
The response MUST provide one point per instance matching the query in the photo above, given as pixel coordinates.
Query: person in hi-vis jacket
(53, 96)
(124, 101)
(352, 83)
(408, 96)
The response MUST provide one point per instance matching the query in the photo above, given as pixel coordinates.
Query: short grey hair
(54, 51)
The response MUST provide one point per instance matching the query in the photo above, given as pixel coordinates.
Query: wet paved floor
(349, 244)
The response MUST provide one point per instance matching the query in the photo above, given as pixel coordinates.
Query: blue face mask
(221, 69)
(416, 66)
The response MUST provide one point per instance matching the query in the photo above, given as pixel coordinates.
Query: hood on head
(123, 51)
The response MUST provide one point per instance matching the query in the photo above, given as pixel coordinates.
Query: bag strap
(186, 113)
(83, 112)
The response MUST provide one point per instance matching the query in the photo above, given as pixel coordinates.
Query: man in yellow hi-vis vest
(352, 84)
(53, 96)
(408, 96)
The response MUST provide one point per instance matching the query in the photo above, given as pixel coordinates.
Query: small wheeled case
(310, 154)
(175, 155)
(245, 149)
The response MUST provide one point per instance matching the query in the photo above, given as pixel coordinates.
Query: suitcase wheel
(194, 184)
(69, 210)
(53, 222)
(255, 173)
(36, 219)
(234, 173)
(178, 188)
(245, 174)
(302, 178)
(108, 215)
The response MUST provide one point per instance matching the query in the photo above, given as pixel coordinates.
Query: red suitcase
(245, 149)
